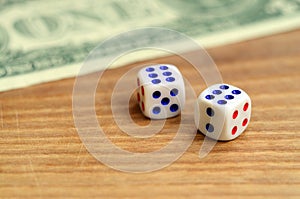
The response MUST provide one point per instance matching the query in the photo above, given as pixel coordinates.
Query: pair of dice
(222, 111)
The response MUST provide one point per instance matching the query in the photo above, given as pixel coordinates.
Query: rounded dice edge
(223, 136)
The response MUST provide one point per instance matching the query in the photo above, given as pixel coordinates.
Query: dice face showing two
(223, 111)
(161, 92)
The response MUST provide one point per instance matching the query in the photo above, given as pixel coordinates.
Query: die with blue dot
(223, 112)
(161, 92)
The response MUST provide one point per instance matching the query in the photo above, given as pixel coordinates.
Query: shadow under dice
(223, 111)
(161, 92)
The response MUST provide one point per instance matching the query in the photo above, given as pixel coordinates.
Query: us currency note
(43, 41)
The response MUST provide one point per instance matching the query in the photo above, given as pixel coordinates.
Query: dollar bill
(43, 41)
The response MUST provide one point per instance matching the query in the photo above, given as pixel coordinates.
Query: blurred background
(43, 41)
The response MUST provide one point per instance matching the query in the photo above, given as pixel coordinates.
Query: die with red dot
(223, 111)
(161, 92)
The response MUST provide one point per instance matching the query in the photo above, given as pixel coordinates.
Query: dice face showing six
(223, 111)
(161, 92)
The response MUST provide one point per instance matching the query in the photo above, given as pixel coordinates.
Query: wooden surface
(41, 154)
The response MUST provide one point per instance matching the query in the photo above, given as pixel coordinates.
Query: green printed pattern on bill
(48, 40)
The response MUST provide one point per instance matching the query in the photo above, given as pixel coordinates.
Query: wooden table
(41, 154)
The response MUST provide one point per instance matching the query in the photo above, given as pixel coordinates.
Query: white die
(161, 92)
(223, 111)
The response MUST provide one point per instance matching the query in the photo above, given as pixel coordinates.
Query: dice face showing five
(223, 111)
(161, 92)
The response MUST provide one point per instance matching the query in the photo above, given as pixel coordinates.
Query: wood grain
(42, 156)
